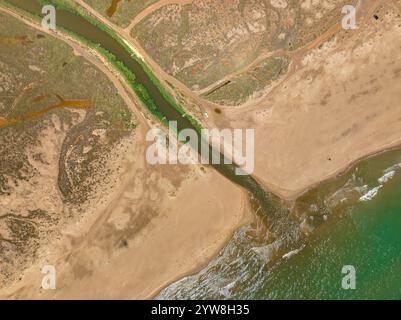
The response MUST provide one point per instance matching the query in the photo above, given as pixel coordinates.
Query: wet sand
(155, 225)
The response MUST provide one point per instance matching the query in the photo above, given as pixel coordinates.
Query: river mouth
(353, 219)
(251, 253)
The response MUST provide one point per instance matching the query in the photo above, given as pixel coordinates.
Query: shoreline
(246, 216)
(293, 196)
(246, 219)
(291, 202)
(396, 144)
(160, 254)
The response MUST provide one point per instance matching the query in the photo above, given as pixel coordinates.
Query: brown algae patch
(14, 40)
(76, 104)
(113, 8)
(39, 98)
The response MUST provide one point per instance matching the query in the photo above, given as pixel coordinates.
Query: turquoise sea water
(367, 236)
(356, 220)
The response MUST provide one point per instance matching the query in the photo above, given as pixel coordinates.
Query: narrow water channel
(359, 228)
(269, 207)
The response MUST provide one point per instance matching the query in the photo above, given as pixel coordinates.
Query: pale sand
(165, 241)
(340, 104)
(343, 104)
(174, 219)
(187, 234)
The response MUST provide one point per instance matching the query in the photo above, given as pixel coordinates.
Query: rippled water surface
(352, 220)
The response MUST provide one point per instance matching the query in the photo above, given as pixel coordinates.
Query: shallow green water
(353, 226)
(344, 229)
(367, 235)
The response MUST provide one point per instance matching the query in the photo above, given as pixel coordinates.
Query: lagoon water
(356, 220)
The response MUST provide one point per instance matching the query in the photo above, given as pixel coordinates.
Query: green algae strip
(122, 65)
(150, 91)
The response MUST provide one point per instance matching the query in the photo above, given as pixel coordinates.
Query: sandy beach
(152, 225)
(339, 103)
(161, 224)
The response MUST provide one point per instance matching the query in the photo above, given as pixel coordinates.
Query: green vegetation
(73, 147)
(34, 74)
(200, 43)
(125, 71)
(222, 37)
(307, 27)
(250, 84)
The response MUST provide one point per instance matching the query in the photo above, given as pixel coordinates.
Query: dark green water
(346, 230)
(269, 207)
(85, 29)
